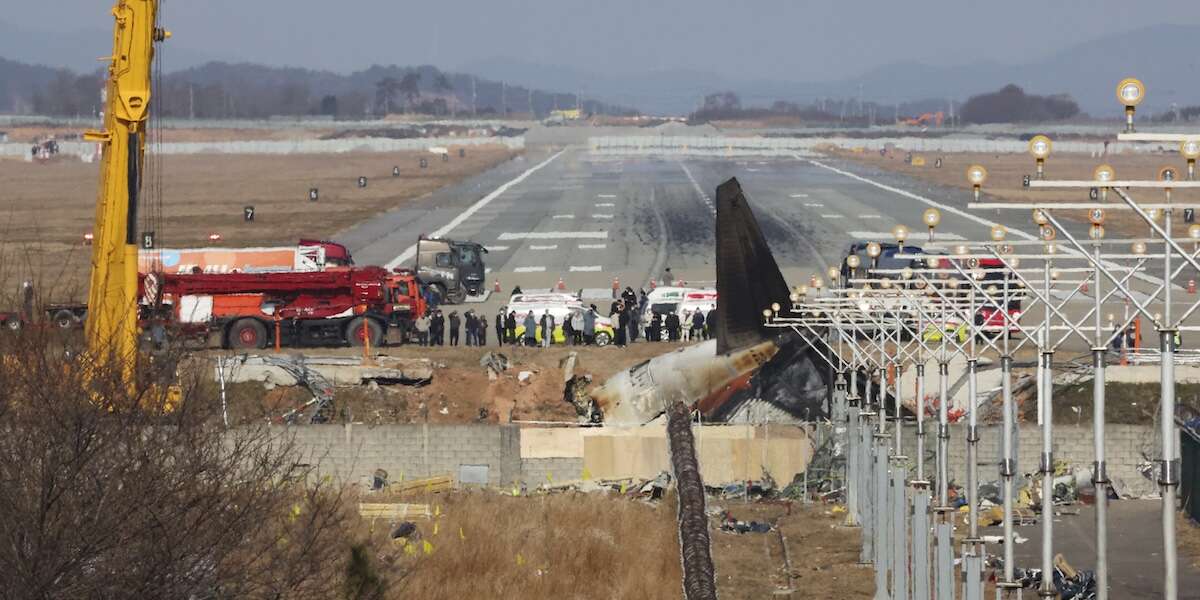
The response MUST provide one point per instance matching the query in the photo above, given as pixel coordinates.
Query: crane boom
(112, 296)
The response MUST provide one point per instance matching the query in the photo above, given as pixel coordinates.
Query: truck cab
(452, 269)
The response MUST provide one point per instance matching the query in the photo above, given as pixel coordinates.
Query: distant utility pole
(860, 99)
(578, 101)
(474, 97)
(531, 115)
(192, 101)
(503, 99)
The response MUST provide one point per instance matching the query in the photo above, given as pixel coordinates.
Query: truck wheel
(603, 338)
(354, 332)
(64, 319)
(247, 333)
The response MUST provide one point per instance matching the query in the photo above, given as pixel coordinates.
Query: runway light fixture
(766, 313)
(853, 261)
(906, 273)
(999, 233)
(775, 307)
(1104, 174)
(873, 250)
(978, 274)
(804, 290)
(794, 297)
(1138, 248)
(88, 237)
(833, 273)
(1047, 233)
(1154, 214)
(1194, 231)
(214, 237)
(1190, 149)
(1168, 173)
(961, 250)
(931, 217)
(818, 283)
(1130, 93)
(1039, 147)
(1051, 248)
(900, 232)
(1096, 216)
(1096, 232)
(1039, 217)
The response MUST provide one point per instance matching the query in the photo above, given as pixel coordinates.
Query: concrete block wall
(535, 470)
(351, 453)
(1124, 449)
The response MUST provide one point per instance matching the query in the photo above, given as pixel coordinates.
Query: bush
(111, 493)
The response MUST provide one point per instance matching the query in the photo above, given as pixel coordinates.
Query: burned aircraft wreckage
(748, 368)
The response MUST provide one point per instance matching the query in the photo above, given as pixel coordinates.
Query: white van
(666, 300)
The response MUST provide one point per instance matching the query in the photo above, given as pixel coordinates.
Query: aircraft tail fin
(748, 278)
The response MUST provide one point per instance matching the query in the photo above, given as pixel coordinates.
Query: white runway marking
(592, 246)
(604, 205)
(589, 269)
(799, 196)
(870, 217)
(598, 216)
(554, 235)
(699, 190)
(550, 247)
(564, 216)
(916, 239)
(529, 270)
(606, 196)
(814, 205)
(832, 216)
(496, 248)
(466, 214)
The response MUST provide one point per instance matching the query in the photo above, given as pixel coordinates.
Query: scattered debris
(524, 376)
(732, 525)
(495, 363)
(395, 511)
(441, 483)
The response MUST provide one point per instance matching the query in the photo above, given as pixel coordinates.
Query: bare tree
(110, 493)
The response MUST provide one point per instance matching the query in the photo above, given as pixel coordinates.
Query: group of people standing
(578, 328)
(432, 327)
(628, 311)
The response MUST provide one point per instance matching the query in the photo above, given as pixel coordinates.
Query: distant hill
(1161, 55)
(244, 90)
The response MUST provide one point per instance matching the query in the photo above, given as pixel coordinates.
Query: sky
(784, 40)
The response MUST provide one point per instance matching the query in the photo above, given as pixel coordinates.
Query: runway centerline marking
(832, 216)
(602, 216)
(411, 251)
(529, 270)
(550, 247)
(592, 246)
(604, 205)
(564, 216)
(587, 269)
(870, 217)
(813, 205)
(554, 235)
(798, 196)
(606, 195)
(699, 190)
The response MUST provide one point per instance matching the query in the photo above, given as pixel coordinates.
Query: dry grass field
(45, 209)
(598, 545)
(1005, 172)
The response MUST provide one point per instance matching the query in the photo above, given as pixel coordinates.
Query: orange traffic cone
(561, 286)
(1191, 286)
(1084, 287)
(496, 288)
(653, 284)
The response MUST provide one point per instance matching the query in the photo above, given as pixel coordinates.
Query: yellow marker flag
(461, 536)
(410, 550)
(549, 478)
(622, 488)
(437, 510)
(427, 547)
(435, 528)
(516, 491)
(296, 510)
(586, 473)
(520, 560)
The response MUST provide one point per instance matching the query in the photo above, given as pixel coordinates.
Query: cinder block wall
(353, 452)
(1124, 448)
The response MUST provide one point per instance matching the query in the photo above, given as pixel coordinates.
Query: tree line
(220, 90)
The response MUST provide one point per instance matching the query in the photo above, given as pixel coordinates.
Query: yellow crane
(112, 327)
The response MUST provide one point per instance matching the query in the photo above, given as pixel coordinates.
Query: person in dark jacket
(622, 326)
(629, 297)
(500, 327)
(589, 325)
(455, 323)
(673, 327)
(437, 329)
(481, 327)
(530, 329)
(568, 330)
(654, 329)
(511, 324)
(697, 324)
(710, 324)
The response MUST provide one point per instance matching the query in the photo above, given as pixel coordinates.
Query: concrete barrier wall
(668, 145)
(1125, 446)
(351, 453)
(88, 149)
